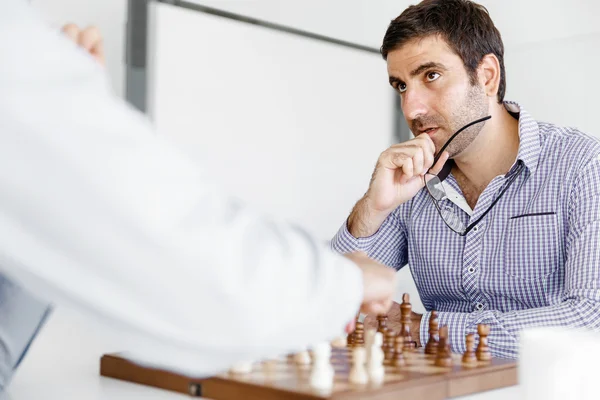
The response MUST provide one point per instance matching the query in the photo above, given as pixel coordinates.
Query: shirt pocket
(531, 246)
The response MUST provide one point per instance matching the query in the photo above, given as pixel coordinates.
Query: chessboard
(376, 364)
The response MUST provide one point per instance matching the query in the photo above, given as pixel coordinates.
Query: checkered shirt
(534, 259)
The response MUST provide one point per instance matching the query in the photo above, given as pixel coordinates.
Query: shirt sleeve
(101, 214)
(388, 245)
(580, 303)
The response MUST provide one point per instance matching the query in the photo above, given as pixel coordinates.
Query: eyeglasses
(436, 191)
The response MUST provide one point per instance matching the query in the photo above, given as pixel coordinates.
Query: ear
(489, 74)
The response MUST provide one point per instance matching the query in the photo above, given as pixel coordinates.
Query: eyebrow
(420, 69)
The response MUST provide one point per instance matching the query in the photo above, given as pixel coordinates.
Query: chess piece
(302, 358)
(340, 342)
(483, 350)
(444, 356)
(322, 373)
(432, 343)
(358, 373)
(398, 359)
(359, 334)
(369, 336)
(405, 321)
(241, 368)
(469, 359)
(382, 323)
(388, 350)
(351, 338)
(375, 367)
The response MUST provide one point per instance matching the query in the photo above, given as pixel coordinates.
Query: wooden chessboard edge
(117, 367)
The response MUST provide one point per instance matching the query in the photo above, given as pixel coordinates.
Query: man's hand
(398, 176)
(379, 284)
(394, 323)
(89, 39)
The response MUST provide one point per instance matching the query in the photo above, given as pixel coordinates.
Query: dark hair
(464, 25)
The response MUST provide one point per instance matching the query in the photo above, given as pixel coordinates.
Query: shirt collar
(529, 136)
(529, 140)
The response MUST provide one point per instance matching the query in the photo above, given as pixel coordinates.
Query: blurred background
(287, 102)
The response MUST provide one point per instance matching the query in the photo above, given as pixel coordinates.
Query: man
(508, 233)
(100, 214)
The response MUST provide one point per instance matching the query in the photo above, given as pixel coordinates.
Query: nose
(414, 104)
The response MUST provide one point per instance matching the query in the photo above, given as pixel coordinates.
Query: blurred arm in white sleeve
(99, 213)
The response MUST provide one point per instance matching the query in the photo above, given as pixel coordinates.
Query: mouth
(430, 131)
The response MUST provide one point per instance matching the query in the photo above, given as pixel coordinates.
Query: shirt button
(471, 269)
(479, 306)
(475, 229)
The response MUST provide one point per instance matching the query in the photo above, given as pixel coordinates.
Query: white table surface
(63, 364)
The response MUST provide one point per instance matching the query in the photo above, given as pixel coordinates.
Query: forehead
(419, 51)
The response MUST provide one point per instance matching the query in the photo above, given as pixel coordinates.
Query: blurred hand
(89, 39)
(379, 284)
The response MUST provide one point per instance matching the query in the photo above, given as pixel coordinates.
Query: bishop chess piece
(444, 356)
(358, 373)
(432, 343)
(405, 321)
(483, 350)
(469, 359)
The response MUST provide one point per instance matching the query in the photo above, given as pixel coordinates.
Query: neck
(493, 151)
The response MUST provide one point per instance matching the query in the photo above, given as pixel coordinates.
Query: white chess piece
(340, 342)
(375, 367)
(241, 368)
(358, 372)
(322, 374)
(369, 336)
(302, 357)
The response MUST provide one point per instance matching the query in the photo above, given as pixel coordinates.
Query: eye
(432, 76)
(401, 87)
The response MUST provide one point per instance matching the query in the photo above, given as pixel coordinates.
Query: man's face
(437, 96)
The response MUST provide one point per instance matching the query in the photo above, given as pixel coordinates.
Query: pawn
(398, 360)
(351, 339)
(443, 357)
(389, 350)
(432, 343)
(382, 323)
(483, 350)
(302, 358)
(359, 334)
(358, 372)
(469, 359)
(375, 367)
(322, 374)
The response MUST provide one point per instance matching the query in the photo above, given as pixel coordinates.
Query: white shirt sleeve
(100, 213)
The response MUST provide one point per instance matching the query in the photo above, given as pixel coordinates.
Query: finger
(440, 163)
(91, 40)
(350, 327)
(418, 161)
(407, 169)
(427, 141)
(72, 31)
